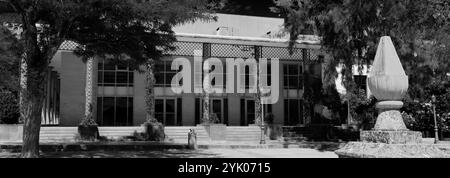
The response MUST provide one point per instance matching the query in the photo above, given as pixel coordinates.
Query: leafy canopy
(129, 30)
(350, 30)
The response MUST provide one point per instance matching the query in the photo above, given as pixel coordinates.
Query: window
(164, 73)
(268, 75)
(251, 113)
(115, 111)
(249, 73)
(247, 77)
(293, 76)
(248, 111)
(168, 111)
(216, 105)
(293, 111)
(114, 75)
(361, 81)
(267, 108)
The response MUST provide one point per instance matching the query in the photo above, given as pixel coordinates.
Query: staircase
(175, 134)
(69, 134)
(116, 133)
(179, 134)
(250, 134)
(295, 134)
(58, 134)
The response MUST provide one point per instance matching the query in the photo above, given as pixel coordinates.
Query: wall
(254, 26)
(73, 82)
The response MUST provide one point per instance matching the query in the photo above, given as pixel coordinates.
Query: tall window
(268, 75)
(251, 112)
(114, 75)
(164, 73)
(293, 111)
(248, 112)
(216, 105)
(168, 111)
(293, 76)
(115, 111)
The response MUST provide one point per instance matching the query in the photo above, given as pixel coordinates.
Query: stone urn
(388, 82)
(389, 138)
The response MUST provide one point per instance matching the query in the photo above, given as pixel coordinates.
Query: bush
(154, 130)
(213, 119)
(363, 110)
(9, 108)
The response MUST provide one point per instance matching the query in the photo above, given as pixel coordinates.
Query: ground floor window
(293, 112)
(168, 111)
(218, 106)
(115, 111)
(268, 115)
(248, 112)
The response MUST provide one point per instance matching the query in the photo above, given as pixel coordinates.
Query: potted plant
(215, 129)
(88, 128)
(154, 130)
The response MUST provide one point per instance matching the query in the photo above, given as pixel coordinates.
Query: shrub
(213, 119)
(154, 130)
(9, 108)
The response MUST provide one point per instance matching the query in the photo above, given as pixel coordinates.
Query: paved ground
(202, 153)
(273, 153)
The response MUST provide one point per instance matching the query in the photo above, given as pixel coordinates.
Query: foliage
(88, 120)
(10, 50)
(363, 109)
(212, 119)
(9, 108)
(124, 31)
(350, 29)
(139, 29)
(154, 131)
(418, 114)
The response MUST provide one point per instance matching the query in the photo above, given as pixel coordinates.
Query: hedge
(9, 108)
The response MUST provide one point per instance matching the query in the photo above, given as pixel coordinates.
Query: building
(120, 91)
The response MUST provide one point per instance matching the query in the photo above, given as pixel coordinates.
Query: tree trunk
(33, 75)
(23, 84)
(149, 91)
(32, 97)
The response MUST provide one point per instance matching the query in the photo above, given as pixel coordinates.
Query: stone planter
(154, 131)
(274, 131)
(216, 132)
(88, 132)
(11, 132)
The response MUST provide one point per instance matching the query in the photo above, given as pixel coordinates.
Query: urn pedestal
(389, 138)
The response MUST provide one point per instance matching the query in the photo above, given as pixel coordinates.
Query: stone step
(295, 139)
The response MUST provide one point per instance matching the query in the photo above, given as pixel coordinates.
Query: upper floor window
(114, 75)
(164, 73)
(293, 76)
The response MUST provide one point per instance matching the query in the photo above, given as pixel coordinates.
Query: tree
(350, 30)
(9, 60)
(132, 31)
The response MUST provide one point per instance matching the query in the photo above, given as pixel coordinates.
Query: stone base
(391, 137)
(389, 119)
(382, 150)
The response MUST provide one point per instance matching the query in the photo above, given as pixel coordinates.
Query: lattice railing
(186, 48)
